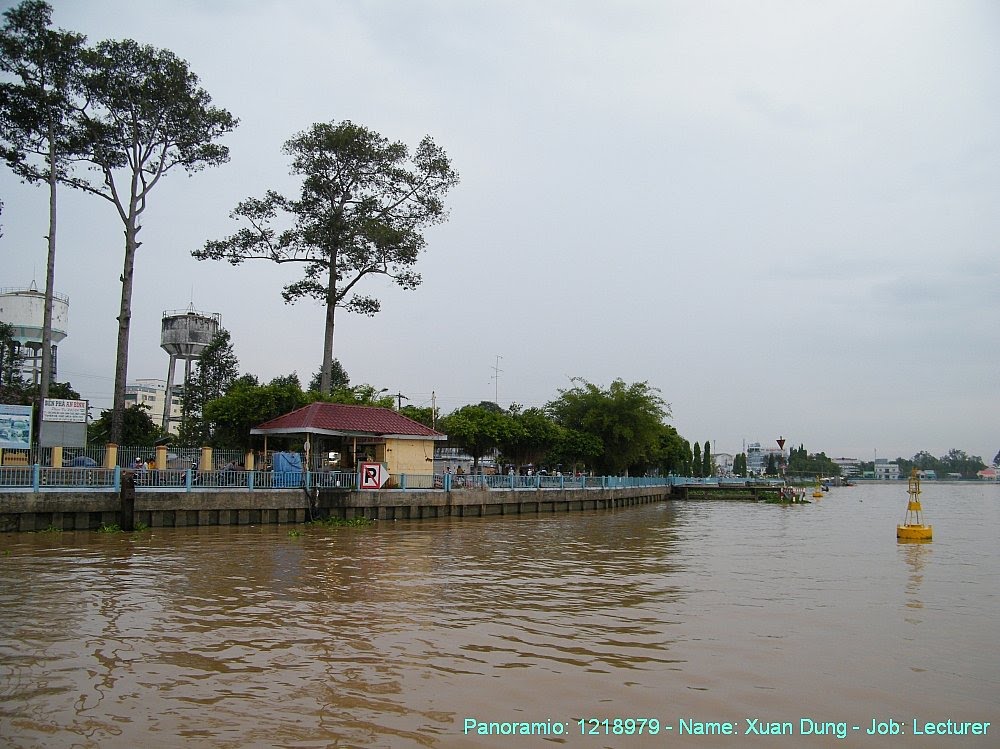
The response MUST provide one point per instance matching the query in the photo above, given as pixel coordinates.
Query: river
(684, 616)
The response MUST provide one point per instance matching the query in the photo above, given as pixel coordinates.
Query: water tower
(24, 311)
(184, 334)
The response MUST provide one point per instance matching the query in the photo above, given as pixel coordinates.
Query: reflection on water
(916, 552)
(392, 635)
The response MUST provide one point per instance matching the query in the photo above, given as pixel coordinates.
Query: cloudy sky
(784, 215)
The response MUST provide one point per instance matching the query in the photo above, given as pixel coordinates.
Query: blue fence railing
(37, 478)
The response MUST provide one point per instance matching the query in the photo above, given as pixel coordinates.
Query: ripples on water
(392, 635)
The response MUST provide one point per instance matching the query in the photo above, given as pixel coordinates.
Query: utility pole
(399, 400)
(434, 409)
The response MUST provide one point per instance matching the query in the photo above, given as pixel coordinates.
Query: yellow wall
(409, 456)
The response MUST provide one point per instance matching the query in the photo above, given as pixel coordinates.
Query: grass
(341, 522)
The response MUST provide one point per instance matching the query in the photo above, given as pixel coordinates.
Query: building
(723, 464)
(757, 457)
(355, 434)
(152, 393)
(24, 311)
(849, 467)
(886, 471)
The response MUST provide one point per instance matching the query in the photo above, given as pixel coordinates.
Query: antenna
(496, 380)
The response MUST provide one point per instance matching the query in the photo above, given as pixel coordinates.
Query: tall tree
(533, 433)
(697, 465)
(147, 116)
(476, 429)
(338, 378)
(707, 467)
(360, 212)
(215, 370)
(139, 428)
(37, 112)
(627, 419)
(247, 404)
(426, 415)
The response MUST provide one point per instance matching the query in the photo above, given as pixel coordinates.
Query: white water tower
(24, 311)
(184, 334)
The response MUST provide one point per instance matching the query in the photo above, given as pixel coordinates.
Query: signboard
(15, 427)
(372, 475)
(54, 409)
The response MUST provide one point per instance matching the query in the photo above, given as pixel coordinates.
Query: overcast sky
(784, 215)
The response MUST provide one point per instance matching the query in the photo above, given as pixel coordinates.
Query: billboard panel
(55, 409)
(15, 427)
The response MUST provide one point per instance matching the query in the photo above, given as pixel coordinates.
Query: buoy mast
(913, 528)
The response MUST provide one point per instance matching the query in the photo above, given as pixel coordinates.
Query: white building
(152, 393)
(886, 471)
(849, 467)
(757, 457)
(723, 464)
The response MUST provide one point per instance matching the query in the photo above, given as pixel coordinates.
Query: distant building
(757, 457)
(886, 471)
(723, 464)
(152, 393)
(849, 467)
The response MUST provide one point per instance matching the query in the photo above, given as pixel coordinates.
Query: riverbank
(65, 511)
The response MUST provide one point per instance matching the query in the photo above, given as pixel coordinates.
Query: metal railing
(38, 478)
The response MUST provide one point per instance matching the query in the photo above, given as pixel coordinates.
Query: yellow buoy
(913, 528)
(818, 491)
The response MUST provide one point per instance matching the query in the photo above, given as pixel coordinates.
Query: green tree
(215, 370)
(574, 449)
(531, 436)
(138, 428)
(740, 464)
(707, 466)
(247, 404)
(37, 112)
(697, 464)
(672, 453)
(957, 461)
(146, 116)
(803, 464)
(422, 414)
(338, 378)
(13, 386)
(361, 209)
(627, 419)
(477, 430)
(361, 395)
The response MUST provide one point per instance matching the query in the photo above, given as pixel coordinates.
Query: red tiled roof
(337, 418)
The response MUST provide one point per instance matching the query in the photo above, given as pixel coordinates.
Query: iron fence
(38, 478)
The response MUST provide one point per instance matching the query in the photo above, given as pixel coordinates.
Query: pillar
(161, 457)
(111, 455)
(248, 460)
(206, 459)
(57, 457)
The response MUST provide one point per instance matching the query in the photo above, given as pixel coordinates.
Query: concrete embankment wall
(26, 511)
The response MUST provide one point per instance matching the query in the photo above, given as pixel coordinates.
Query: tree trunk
(326, 374)
(50, 274)
(124, 321)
